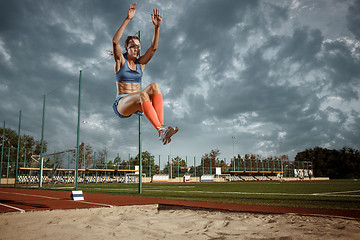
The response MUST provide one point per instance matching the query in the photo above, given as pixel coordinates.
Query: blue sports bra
(127, 75)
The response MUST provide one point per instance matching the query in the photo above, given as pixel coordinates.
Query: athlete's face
(133, 47)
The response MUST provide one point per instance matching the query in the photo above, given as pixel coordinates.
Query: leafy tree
(178, 166)
(335, 164)
(237, 163)
(100, 161)
(148, 163)
(255, 162)
(86, 156)
(209, 161)
(28, 147)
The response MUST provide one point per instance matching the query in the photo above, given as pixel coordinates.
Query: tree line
(28, 147)
(336, 164)
(332, 163)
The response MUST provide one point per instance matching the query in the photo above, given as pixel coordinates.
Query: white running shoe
(166, 133)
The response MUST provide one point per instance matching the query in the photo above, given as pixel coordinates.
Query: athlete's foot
(166, 133)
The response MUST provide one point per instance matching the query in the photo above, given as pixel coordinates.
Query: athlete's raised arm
(118, 56)
(156, 20)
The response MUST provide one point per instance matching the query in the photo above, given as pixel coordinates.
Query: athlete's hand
(156, 18)
(131, 11)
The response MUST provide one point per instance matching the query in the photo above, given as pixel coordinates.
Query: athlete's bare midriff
(126, 88)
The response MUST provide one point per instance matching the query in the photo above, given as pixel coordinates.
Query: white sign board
(77, 195)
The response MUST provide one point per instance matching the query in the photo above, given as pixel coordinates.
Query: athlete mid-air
(129, 69)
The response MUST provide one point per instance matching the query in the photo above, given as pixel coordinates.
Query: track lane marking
(330, 193)
(100, 204)
(42, 196)
(8, 206)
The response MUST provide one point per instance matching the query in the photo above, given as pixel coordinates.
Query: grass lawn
(339, 194)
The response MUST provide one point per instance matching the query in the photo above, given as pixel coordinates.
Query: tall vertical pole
(210, 166)
(2, 151)
(42, 144)
(117, 162)
(8, 163)
(233, 139)
(194, 166)
(274, 165)
(84, 158)
(24, 157)
(171, 175)
(159, 164)
(169, 164)
(140, 147)
(78, 136)
(18, 151)
(129, 162)
(203, 167)
(106, 162)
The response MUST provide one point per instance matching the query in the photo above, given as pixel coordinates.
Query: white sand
(147, 222)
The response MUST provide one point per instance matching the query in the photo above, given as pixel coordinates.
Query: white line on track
(31, 195)
(64, 187)
(114, 189)
(8, 206)
(100, 204)
(42, 196)
(329, 193)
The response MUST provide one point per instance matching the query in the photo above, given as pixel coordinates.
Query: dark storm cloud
(48, 42)
(343, 68)
(353, 19)
(257, 70)
(256, 89)
(302, 47)
(204, 27)
(293, 107)
(277, 15)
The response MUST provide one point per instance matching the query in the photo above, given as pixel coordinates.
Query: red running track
(24, 200)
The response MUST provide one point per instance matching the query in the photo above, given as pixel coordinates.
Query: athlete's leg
(144, 101)
(147, 106)
(153, 93)
(129, 104)
(157, 101)
(152, 89)
(134, 101)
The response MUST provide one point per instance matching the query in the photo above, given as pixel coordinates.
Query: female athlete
(129, 70)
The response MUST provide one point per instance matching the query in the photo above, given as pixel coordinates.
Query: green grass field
(339, 194)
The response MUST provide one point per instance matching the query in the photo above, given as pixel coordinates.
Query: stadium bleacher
(160, 178)
(207, 178)
(235, 178)
(25, 179)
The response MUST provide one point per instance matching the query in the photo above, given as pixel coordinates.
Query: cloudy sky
(279, 76)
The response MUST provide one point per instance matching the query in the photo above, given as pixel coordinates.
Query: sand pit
(152, 222)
